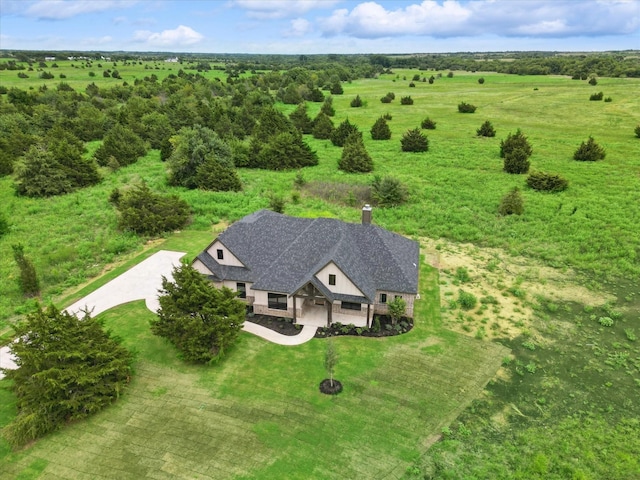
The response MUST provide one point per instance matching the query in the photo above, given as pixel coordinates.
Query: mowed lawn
(259, 414)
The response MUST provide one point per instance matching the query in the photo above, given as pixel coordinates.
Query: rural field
(537, 379)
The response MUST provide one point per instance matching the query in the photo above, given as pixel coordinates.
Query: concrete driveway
(143, 282)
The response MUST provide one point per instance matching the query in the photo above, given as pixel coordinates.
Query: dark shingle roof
(282, 254)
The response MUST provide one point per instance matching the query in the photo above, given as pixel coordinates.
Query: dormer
(223, 255)
(336, 281)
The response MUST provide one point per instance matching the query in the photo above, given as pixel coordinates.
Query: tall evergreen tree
(28, 279)
(203, 322)
(355, 158)
(414, 141)
(68, 369)
(340, 134)
(121, 144)
(380, 130)
(327, 107)
(322, 127)
(301, 119)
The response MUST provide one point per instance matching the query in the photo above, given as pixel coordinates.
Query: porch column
(295, 317)
(368, 312)
(330, 311)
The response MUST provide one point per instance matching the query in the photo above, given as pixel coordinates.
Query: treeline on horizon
(577, 65)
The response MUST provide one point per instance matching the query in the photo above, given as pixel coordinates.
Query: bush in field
(202, 321)
(388, 191)
(414, 141)
(637, 131)
(512, 203)
(406, 100)
(515, 141)
(466, 300)
(466, 107)
(122, 144)
(547, 182)
(147, 213)
(486, 130)
(594, 97)
(450, 75)
(68, 369)
(336, 89)
(380, 130)
(322, 127)
(589, 151)
(428, 124)
(516, 161)
(355, 158)
(340, 134)
(356, 102)
(388, 98)
(608, 99)
(481, 80)
(593, 81)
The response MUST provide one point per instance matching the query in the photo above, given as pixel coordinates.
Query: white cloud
(272, 9)
(452, 18)
(299, 28)
(61, 9)
(119, 20)
(179, 37)
(372, 20)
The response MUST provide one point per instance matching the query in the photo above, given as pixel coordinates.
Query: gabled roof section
(282, 254)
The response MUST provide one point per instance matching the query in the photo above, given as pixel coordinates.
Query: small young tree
(428, 124)
(481, 80)
(388, 191)
(68, 368)
(516, 161)
(355, 158)
(330, 360)
(589, 151)
(593, 81)
(340, 134)
(406, 100)
(203, 322)
(486, 130)
(512, 142)
(512, 203)
(336, 88)
(380, 130)
(637, 131)
(414, 141)
(356, 102)
(322, 127)
(28, 279)
(466, 107)
(397, 309)
(388, 98)
(596, 97)
(546, 182)
(276, 203)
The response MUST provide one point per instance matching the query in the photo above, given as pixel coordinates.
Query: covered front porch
(312, 307)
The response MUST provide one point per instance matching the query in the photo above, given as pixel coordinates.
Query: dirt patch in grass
(507, 289)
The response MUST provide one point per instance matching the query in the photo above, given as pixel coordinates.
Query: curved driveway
(143, 282)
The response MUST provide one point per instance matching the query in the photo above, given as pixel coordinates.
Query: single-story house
(315, 271)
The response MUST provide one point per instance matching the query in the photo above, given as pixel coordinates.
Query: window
(277, 301)
(242, 290)
(220, 254)
(383, 298)
(350, 306)
(332, 279)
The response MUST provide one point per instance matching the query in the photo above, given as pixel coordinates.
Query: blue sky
(320, 26)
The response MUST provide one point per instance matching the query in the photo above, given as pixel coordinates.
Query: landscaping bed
(283, 326)
(382, 326)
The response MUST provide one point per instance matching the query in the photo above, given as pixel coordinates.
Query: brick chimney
(366, 214)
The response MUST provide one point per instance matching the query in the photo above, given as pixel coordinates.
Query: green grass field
(259, 415)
